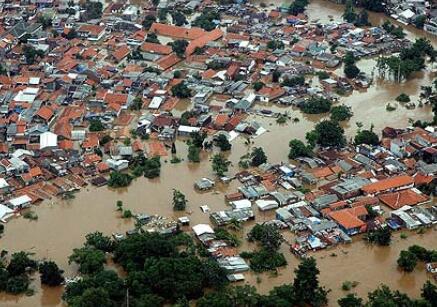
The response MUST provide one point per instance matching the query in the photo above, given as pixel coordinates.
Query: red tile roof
(387, 184)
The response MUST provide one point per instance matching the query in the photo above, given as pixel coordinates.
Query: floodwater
(62, 225)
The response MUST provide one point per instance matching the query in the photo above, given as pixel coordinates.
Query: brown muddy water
(62, 225)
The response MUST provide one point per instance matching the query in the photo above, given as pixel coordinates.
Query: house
(91, 32)
(176, 32)
(120, 53)
(19, 202)
(431, 267)
(48, 140)
(350, 220)
(409, 197)
(4, 186)
(395, 183)
(156, 48)
(117, 165)
(349, 187)
(268, 94)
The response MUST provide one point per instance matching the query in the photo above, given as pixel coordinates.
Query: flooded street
(62, 225)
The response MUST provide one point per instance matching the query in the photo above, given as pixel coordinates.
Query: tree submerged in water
(179, 200)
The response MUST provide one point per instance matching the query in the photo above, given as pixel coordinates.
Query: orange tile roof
(399, 199)
(221, 119)
(91, 29)
(387, 184)
(322, 172)
(156, 48)
(168, 61)
(203, 40)
(176, 32)
(121, 52)
(348, 219)
(45, 113)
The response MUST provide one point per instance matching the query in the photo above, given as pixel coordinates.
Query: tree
(351, 71)
(148, 21)
(429, 293)
(162, 15)
(119, 180)
(373, 5)
(93, 10)
(179, 18)
(181, 90)
(89, 259)
(258, 85)
(152, 168)
(193, 154)
(349, 58)
(215, 275)
(419, 21)
(179, 46)
(316, 105)
(30, 53)
(407, 261)
(268, 235)
(341, 113)
(275, 76)
(17, 284)
(362, 19)
(220, 164)
(222, 142)
(96, 125)
(329, 133)
(381, 236)
(50, 274)
(384, 296)
(366, 137)
(152, 38)
(179, 201)
(298, 7)
(298, 149)
(72, 34)
(107, 282)
(403, 98)
(350, 300)
(45, 21)
(306, 284)
(100, 241)
(92, 297)
(294, 81)
(349, 14)
(198, 138)
(20, 262)
(275, 44)
(207, 20)
(258, 156)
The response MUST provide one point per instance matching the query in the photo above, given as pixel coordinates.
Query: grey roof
(324, 200)
(349, 185)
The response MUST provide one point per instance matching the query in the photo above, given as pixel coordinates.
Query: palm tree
(235, 224)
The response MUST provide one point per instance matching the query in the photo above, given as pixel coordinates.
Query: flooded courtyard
(63, 224)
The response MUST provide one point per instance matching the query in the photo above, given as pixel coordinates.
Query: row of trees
(329, 133)
(163, 269)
